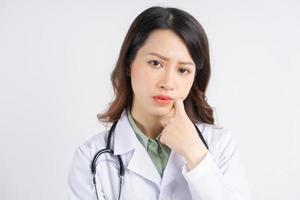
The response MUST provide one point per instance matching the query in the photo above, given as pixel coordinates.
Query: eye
(183, 70)
(154, 63)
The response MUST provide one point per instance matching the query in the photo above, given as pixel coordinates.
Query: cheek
(136, 77)
(140, 79)
(137, 74)
(186, 87)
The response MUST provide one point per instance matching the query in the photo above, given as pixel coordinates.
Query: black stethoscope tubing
(121, 165)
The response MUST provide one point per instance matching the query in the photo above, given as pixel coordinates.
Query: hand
(180, 135)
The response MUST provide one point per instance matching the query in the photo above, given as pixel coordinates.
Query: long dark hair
(195, 39)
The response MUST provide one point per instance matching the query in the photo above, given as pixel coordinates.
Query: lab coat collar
(124, 136)
(125, 141)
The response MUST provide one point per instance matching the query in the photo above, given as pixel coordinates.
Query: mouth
(162, 99)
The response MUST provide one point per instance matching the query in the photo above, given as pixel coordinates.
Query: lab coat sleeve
(221, 177)
(80, 183)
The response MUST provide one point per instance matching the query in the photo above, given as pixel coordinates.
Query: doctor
(160, 81)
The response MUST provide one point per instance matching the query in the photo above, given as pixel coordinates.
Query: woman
(165, 144)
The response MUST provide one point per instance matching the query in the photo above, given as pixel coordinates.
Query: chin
(159, 111)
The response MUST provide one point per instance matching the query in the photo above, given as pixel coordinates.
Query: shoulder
(218, 138)
(212, 132)
(93, 144)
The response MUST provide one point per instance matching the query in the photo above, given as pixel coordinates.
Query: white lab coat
(219, 176)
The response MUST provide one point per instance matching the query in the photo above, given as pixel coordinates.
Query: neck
(148, 124)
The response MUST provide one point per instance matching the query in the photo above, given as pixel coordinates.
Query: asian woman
(164, 144)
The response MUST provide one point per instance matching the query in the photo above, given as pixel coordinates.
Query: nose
(167, 81)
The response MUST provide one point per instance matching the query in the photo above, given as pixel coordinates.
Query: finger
(179, 106)
(171, 112)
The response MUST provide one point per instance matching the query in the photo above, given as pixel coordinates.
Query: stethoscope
(121, 165)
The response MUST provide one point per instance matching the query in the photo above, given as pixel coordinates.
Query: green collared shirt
(158, 152)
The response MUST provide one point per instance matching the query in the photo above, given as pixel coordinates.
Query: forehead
(166, 43)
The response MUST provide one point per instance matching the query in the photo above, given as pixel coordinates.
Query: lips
(162, 100)
(163, 97)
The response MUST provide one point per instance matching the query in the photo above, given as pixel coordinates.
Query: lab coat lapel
(142, 164)
(139, 161)
(173, 168)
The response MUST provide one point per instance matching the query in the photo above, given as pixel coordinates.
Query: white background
(55, 63)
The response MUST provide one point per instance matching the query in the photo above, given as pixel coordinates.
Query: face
(162, 66)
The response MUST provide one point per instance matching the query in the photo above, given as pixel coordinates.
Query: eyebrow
(165, 58)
